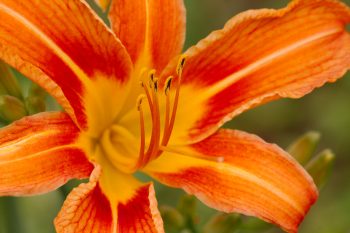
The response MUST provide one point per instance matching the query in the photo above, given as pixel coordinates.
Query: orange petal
(61, 45)
(37, 155)
(234, 171)
(88, 209)
(153, 31)
(140, 214)
(263, 55)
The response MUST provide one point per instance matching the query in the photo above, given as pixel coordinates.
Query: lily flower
(134, 103)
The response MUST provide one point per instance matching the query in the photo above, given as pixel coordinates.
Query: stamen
(168, 83)
(168, 131)
(155, 138)
(181, 64)
(151, 76)
(156, 148)
(148, 95)
(139, 101)
(142, 132)
(155, 85)
(167, 105)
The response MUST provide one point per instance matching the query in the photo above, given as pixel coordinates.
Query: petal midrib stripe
(26, 138)
(36, 154)
(12, 146)
(231, 79)
(81, 75)
(226, 168)
(264, 184)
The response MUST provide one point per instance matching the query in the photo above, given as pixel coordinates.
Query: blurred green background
(326, 110)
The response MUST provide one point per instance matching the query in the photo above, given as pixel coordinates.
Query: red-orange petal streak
(152, 30)
(37, 155)
(140, 214)
(86, 210)
(61, 45)
(234, 171)
(263, 55)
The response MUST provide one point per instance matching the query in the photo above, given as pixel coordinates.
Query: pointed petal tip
(236, 68)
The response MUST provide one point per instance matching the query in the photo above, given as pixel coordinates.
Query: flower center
(117, 143)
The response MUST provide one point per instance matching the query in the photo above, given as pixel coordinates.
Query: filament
(167, 106)
(142, 132)
(156, 147)
(155, 138)
(169, 129)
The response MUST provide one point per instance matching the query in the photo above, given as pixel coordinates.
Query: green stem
(9, 215)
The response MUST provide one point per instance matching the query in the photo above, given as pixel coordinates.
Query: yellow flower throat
(116, 142)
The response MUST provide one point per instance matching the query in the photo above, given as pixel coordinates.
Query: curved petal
(86, 210)
(234, 171)
(153, 31)
(37, 155)
(140, 214)
(63, 46)
(92, 207)
(259, 56)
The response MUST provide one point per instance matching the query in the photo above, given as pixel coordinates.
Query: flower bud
(172, 217)
(304, 147)
(223, 223)
(320, 168)
(8, 82)
(187, 206)
(35, 104)
(37, 91)
(11, 108)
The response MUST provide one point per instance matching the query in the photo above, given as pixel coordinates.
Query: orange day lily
(132, 103)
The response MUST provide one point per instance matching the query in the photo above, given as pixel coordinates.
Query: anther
(151, 76)
(168, 85)
(139, 101)
(170, 120)
(181, 64)
(142, 132)
(155, 84)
